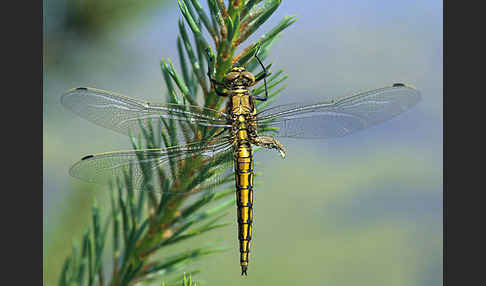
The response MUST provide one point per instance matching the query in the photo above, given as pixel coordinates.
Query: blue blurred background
(364, 209)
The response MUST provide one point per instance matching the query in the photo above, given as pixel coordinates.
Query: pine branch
(143, 224)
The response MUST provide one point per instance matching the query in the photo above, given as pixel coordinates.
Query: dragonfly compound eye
(249, 77)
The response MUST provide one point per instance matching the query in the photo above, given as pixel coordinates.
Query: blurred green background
(364, 209)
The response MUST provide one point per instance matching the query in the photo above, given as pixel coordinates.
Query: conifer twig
(143, 224)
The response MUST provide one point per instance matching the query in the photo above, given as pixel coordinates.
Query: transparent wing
(142, 165)
(337, 117)
(127, 115)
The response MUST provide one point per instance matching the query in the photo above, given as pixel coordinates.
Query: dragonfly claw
(270, 143)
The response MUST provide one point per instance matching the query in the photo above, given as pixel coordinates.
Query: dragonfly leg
(264, 77)
(214, 82)
(270, 143)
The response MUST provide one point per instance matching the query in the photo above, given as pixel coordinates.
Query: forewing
(143, 165)
(128, 116)
(337, 117)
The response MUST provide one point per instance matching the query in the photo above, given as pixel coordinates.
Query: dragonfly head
(238, 76)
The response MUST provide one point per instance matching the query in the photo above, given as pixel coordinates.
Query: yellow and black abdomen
(244, 193)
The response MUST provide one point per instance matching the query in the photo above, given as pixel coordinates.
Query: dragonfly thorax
(241, 104)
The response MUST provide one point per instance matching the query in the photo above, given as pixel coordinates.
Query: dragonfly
(235, 130)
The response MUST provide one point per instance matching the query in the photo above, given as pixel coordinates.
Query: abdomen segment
(244, 200)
